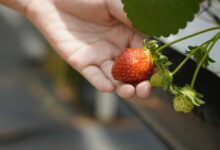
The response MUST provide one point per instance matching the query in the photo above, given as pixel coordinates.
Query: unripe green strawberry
(183, 104)
(161, 79)
(157, 80)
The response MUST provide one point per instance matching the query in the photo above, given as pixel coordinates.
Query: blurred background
(45, 104)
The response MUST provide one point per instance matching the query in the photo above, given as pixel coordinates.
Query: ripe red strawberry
(133, 65)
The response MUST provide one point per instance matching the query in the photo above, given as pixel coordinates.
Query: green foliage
(163, 77)
(160, 17)
(188, 92)
(198, 55)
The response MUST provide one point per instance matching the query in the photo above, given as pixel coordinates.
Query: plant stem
(216, 38)
(186, 37)
(188, 57)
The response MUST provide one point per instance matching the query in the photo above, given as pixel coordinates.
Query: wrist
(17, 5)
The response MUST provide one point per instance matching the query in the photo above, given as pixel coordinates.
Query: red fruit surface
(133, 65)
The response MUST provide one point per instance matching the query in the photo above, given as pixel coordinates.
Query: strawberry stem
(188, 57)
(211, 44)
(186, 37)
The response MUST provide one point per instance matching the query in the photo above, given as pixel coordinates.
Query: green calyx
(189, 93)
(161, 61)
(162, 78)
(152, 45)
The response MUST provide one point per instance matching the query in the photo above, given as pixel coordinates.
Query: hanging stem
(216, 38)
(186, 37)
(188, 57)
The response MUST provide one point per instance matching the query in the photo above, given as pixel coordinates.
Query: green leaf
(160, 17)
(199, 101)
(168, 63)
(199, 54)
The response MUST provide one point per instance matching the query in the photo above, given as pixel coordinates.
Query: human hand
(89, 35)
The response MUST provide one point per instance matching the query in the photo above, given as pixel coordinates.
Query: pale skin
(88, 34)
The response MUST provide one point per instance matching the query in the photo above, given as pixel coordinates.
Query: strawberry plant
(162, 18)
